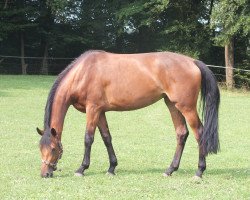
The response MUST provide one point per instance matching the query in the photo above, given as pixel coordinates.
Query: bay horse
(98, 81)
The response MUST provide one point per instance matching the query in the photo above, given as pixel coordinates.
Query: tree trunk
(210, 11)
(229, 60)
(44, 69)
(5, 4)
(23, 64)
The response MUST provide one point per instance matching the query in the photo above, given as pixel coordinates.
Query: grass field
(144, 141)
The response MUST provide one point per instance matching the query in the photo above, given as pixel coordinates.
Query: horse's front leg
(92, 115)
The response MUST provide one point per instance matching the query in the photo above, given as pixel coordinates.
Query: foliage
(230, 17)
(182, 30)
(18, 17)
(143, 12)
(175, 25)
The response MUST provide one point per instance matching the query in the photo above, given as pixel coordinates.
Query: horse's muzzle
(46, 171)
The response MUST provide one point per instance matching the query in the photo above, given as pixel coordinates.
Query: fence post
(23, 64)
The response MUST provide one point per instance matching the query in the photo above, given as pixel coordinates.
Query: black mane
(48, 108)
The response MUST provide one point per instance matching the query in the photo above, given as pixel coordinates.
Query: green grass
(144, 141)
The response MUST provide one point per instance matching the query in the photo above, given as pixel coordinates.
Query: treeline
(206, 29)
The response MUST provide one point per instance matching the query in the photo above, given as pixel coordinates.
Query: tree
(229, 18)
(45, 21)
(15, 19)
(172, 25)
(185, 28)
(138, 24)
(63, 28)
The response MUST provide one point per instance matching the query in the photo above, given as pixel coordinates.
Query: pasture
(144, 141)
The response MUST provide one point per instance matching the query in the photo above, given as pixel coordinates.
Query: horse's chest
(79, 107)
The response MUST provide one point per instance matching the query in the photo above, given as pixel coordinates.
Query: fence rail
(12, 65)
(71, 58)
(214, 66)
(40, 58)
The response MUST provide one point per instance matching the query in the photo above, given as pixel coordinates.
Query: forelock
(45, 140)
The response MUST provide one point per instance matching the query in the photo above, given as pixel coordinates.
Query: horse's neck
(59, 109)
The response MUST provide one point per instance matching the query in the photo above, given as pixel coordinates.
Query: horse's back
(131, 81)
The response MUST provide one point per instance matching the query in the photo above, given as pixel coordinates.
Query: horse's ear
(40, 132)
(53, 132)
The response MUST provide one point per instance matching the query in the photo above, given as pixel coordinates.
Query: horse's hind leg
(107, 139)
(181, 136)
(193, 120)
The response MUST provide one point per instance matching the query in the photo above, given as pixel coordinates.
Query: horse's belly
(128, 106)
(130, 100)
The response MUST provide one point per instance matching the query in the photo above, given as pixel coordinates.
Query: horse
(98, 81)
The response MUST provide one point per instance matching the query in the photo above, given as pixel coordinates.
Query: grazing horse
(99, 81)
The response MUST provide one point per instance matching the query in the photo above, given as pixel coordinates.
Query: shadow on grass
(5, 94)
(125, 172)
(232, 172)
(228, 173)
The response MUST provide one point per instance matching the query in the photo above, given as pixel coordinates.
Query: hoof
(166, 175)
(78, 174)
(110, 174)
(197, 179)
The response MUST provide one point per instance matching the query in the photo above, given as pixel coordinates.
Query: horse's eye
(53, 150)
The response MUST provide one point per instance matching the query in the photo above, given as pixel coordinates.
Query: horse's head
(51, 151)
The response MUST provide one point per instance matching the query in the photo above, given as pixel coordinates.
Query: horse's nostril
(47, 175)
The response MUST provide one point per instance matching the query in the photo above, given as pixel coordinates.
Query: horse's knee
(89, 139)
(181, 135)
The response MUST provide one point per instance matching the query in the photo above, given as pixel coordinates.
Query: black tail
(210, 97)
